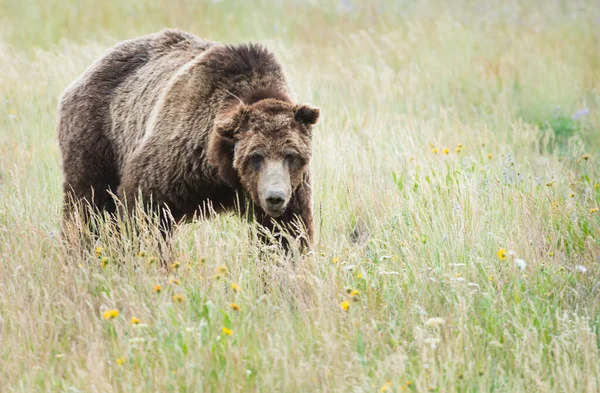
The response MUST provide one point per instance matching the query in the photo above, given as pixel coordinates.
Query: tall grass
(398, 83)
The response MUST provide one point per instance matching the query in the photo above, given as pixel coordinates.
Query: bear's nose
(275, 200)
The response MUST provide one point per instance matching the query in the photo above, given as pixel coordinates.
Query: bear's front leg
(142, 186)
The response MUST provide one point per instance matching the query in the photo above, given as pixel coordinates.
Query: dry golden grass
(426, 302)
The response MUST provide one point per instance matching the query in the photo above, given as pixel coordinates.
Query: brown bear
(176, 122)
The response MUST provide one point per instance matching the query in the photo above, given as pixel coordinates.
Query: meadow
(456, 193)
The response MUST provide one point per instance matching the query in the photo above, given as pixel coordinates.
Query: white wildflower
(521, 264)
(580, 269)
(436, 321)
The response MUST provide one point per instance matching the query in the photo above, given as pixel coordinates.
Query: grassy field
(461, 138)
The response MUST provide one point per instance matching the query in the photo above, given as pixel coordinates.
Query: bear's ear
(227, 124)
(307, 114)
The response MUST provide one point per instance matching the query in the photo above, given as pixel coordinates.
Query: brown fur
(173, 118)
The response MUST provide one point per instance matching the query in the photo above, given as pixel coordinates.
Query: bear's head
(265, 148)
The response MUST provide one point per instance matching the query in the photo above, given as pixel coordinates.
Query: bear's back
(115, 95)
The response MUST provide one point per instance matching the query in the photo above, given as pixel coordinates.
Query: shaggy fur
(177, 120)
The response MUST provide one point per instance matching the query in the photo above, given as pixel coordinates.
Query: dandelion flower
(490, 156)
(355, 292)
(175, 281)
(227, 331)
(121, 360)
(446, 150)
(104, 262)
(178, 298)
(99, 250)
(572, 195)
(345, 305)
(521, 264)
(458, 149)
(386, 386)
(111, 314)
(235, 287)
(157, 288)
(235, 306)
(594, 210)
(501, 254)
(135, 321)
(435, 150)
(335, 260)
(221, 269)
(359, 276)
(459, 145)
(175, 265)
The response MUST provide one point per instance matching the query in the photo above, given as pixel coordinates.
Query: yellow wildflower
(386, 386)
(501, 254)
(111, 314)
(345, 305)
(151, 260)
(551, 253)
(408, 383)
(135, 321)
(593, 210)
(585, 157)
(572, 195)
(459, 145)
(222, 269)
(104, 262)
(121, 360)
(435, 150)
(335, 260)
(235, 287)
(199, 276)
(355, 292)
(359, 276)
(597, 186)
(175, 281)
(491, 278)
(458, 149)
(235, 306)
(446, 150)
(175, 265)
(142, 254)
(490, 156)
(227, 331)
(189, 267)
(157, 288)
(99, 250)
(178, 298)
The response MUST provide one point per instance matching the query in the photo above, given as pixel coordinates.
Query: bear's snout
(275, 199)
(274, 188)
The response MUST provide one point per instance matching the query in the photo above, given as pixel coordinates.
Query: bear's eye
(256, 160)
(294, 160)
